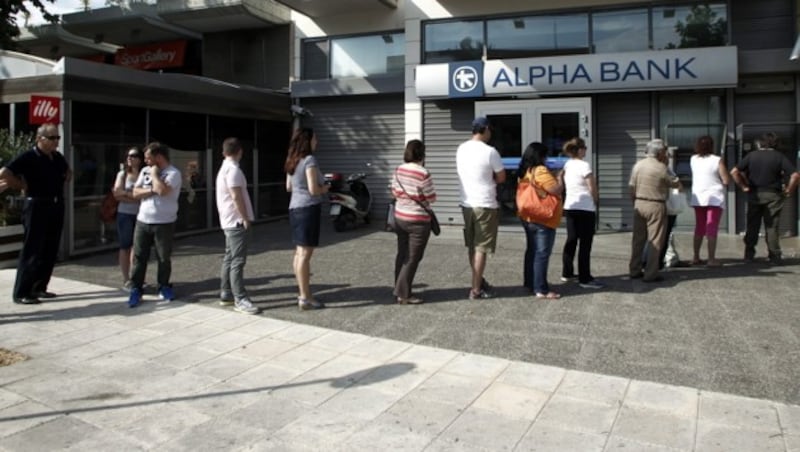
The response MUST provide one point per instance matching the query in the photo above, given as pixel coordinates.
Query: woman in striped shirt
(411, 186)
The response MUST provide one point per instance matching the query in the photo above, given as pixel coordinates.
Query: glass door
(517, 123)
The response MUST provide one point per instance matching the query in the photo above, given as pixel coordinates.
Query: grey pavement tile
(551, 439)
(792, 443)
(100, 364)
(186, 357)
(580, 415)
(9, 398)
(221, 399)
(197, 313)
(30, 368)
(105, 440)
(265, 348)
(60, 433)
(656, 427)
(127, 338)
(216, 434)
(262, 326)
(317, 429)
(720, 438)
(623, 443)
(23, 416)
(192, 334)
(590, 386)
(736, 411)
(534, 376)
(269, 413)
(470, 432)
(225, 366)
(426, 357)
(395, 377)
(49, 386)
(298, 334)
(421, 416)
(338, 341)
(360, 403)
(676, 400)
(157, 423)
(516, 402)
(386, 436)
(167, 325)
(151, 348)
(478, 366)
(451, 389)
(789, 417)
(303, 358)
(233, 320)
(265, 377)
(378, 349)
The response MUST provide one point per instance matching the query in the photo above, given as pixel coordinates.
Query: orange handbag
(535, 204)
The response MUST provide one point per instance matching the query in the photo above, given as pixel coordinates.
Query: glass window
(620, 31)
(453, 41)
(185, 134)
(315, 59)
(362, 56)
(101, 136)
(676, 27)
(541, 35)
(273, 141)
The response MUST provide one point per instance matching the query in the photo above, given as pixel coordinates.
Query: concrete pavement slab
(177, 378)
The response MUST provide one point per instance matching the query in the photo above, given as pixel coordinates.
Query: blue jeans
(232, 271)
(539, 246)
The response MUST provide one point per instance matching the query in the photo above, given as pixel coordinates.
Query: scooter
(350, 200)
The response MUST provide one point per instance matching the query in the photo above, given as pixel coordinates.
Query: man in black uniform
(41, 173)
(761, 174)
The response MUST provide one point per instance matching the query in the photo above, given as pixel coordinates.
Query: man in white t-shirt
(158, 188)
(235, 216)
(480, 169)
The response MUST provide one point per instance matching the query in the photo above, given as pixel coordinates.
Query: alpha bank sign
(708, 67)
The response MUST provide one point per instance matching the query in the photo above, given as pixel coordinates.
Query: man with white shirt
(235, 217)
(480, 169)
(158, 188)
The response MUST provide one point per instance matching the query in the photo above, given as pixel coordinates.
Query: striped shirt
(418, 185)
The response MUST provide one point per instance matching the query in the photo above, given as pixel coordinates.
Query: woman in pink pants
(709, 182)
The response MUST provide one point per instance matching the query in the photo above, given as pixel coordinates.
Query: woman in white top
(580, 205)
(127, 209)
(709, 182)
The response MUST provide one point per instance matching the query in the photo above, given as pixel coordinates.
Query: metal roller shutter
(623, 130)
(446, 124)
(355, 131)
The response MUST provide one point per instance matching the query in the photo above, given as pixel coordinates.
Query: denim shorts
(125, 224)
(305, 224)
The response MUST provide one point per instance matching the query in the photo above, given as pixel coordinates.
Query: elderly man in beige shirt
(650, 184)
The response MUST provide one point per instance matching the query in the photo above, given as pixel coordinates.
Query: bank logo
(466, 79)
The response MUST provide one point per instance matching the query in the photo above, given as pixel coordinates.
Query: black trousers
(43, 221)
(580, 228)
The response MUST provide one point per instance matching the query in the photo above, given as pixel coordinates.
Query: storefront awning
(53, 41)
(323, 8)
(225, 15)
(87, 81)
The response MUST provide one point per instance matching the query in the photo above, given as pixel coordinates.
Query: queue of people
(148, 187)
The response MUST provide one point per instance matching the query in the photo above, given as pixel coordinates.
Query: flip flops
(548, 296)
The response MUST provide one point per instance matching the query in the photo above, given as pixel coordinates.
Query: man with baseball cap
(480, 169)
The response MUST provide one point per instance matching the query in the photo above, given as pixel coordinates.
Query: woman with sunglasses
(127, 209)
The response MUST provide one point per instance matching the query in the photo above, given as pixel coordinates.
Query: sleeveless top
(707, 188)
(130, 208)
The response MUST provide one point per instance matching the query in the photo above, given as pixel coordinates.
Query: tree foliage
(702, 28)
(9, 9)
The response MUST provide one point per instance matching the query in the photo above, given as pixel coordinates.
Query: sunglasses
(53, 137)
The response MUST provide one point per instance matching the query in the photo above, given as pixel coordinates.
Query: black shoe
(44, 294)
(26, 300)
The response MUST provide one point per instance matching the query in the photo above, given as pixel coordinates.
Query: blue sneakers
(135, 298)
(165, 293)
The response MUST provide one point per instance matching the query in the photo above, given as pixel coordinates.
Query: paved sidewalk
(177, 376)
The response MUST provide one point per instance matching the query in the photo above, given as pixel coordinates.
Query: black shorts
(305, 224)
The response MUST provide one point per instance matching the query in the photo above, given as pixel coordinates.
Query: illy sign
(44, 109)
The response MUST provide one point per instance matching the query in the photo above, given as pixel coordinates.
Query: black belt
(53, 199)
(651, 200)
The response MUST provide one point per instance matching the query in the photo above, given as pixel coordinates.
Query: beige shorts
(480, 228)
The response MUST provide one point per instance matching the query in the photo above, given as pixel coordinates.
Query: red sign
(153, 56)
(44, 109)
